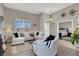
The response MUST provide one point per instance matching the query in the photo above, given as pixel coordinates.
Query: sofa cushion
(32, 34)
(22, 35)
(16, 35)
(37, 33)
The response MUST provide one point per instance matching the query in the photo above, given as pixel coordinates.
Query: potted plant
(75, 38)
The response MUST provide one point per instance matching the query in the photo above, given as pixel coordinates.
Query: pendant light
(50, 16)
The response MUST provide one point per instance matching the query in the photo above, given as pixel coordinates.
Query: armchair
(40, 48)
(41, 36)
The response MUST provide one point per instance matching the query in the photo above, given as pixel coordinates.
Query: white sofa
(41, 36)
(18, 40)
(40, 48)
(26, 37)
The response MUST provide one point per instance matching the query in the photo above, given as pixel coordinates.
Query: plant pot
(77, 45)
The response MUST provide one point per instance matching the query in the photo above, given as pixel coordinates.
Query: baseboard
(17, 44)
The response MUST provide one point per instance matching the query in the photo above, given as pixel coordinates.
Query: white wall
(44, 24)
(1, 13)
(10, 15)
(57, 18)
(1, 9)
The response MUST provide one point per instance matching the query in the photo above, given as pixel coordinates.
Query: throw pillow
(22, 35)
(16, 35)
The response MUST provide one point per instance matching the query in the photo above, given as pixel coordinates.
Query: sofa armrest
(38, 42)
(19, 38)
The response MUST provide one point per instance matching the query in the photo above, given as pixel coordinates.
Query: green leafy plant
(75, 36)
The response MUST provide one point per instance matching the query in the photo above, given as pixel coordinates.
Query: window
(22, 23)
(27, 24)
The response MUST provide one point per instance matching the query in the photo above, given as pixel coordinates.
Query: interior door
(46, 28)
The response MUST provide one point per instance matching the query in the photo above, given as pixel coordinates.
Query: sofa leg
(56, 55)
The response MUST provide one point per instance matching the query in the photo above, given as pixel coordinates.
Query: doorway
(46, 28)
(64, 29)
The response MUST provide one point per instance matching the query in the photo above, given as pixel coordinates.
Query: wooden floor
(65, 48)
(17, 48)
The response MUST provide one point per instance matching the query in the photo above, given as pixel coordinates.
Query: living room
(25, 29)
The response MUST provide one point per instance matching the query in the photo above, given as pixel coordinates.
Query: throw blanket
(49, 39)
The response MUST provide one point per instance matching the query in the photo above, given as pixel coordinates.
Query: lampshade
(8, 29)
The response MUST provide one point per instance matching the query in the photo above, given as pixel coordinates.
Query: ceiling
(37, 8)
